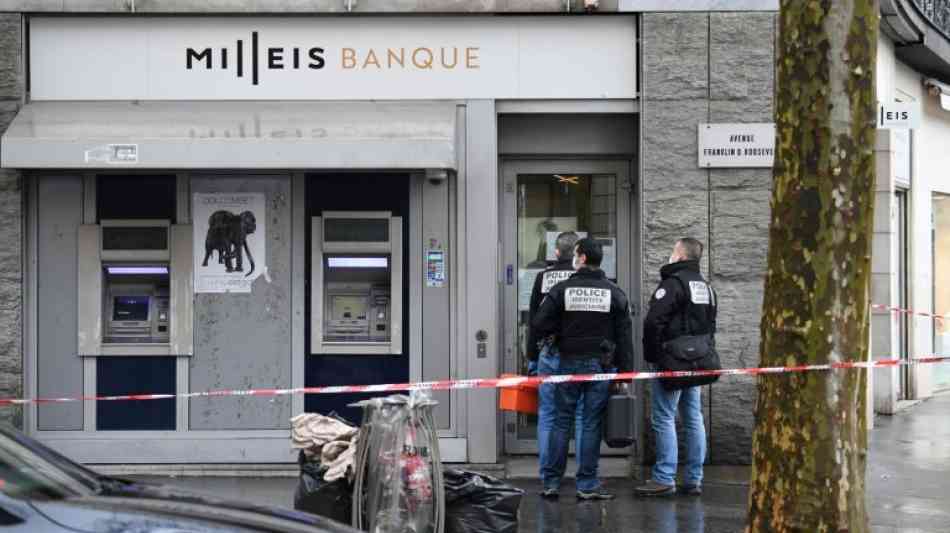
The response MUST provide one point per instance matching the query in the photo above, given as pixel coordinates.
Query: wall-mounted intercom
(356, 283)
(135, 296)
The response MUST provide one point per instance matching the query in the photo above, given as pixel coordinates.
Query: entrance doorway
(540, 200)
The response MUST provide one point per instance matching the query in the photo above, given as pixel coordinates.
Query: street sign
(737, 145)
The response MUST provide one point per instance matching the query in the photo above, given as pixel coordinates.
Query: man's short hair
(692, 248)
(565, 244)
(592, 249)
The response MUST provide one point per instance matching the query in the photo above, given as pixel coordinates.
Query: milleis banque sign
(211, 58)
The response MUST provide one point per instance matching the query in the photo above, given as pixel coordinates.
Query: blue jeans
(548, 362)
(592, 399)
(663, 416)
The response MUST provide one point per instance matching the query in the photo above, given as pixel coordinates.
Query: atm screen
(130, 308)
(348, 308)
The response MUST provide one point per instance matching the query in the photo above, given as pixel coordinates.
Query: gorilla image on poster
(229, 235)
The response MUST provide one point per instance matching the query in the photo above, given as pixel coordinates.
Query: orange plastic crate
(520, 399)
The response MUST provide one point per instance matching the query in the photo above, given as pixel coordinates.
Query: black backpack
(689, 352)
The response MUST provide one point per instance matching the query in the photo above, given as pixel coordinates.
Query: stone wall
(11, 225)
(710, 67)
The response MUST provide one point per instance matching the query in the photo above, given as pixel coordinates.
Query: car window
(24, 474)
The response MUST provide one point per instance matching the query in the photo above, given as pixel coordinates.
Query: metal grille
(938, 11)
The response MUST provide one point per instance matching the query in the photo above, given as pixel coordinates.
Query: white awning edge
(231, 135)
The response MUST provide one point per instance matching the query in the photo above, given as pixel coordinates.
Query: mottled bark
(810, 440)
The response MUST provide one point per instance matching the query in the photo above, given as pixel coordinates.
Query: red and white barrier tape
(899, 310)
(485, 383)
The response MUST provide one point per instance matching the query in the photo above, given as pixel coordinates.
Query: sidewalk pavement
(908, 480)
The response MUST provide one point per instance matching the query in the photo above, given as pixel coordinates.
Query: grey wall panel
(244, 340)
(739, 92)
(675, 191)
(690, 76)
(560, 134)
(482, 276)
(59, 369)
(436, 342)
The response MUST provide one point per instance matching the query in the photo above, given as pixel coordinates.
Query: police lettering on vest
(699, 293)
(588, 299)
(552, 278)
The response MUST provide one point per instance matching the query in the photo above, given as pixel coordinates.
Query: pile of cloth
(325, 440)
(327, 452)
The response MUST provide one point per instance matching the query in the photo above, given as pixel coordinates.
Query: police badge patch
(660, 293)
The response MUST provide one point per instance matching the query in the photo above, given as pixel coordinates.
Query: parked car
(43, 492)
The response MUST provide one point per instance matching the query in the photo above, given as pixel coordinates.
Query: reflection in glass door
(941, 294)
(903, 330)
(543, 200)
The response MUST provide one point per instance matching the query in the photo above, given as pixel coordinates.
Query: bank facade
(203, 198)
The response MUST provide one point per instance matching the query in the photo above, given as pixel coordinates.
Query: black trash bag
(330, 499)
(475, 503)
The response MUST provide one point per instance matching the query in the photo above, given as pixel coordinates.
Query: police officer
(589, 317)
(542, 354)
(682, 294)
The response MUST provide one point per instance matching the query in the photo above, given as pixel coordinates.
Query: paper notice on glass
(609, 263)
(526, 278)
(550, 239)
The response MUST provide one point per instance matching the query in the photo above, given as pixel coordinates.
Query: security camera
(436, 175)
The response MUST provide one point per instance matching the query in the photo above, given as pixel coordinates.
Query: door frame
(626, 210)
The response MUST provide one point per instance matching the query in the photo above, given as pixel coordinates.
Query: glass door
(541, 200)
(941, 269)
(904, 321)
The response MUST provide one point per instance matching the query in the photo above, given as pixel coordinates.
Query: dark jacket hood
(668, 270)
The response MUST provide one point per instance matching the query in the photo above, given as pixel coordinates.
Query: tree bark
(810, 439)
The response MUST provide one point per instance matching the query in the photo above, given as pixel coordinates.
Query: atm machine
(135, 288)
(356, 283)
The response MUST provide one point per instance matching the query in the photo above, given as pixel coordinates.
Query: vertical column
(11, 223)
(479, 344)
(741, 70)
(885, 326)
(675, 191)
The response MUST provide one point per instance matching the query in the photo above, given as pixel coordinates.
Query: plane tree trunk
(810, 439)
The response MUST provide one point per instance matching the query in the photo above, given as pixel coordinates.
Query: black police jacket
(582, 312)
(682, 295)
(543, 283)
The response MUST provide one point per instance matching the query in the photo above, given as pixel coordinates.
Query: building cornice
(920, 30)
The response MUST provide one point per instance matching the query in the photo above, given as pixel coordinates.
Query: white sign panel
(901, 145)
(230, 248)
(587, 299)
(550, 240)
(737, 145)
(312, 58)
(899, 115)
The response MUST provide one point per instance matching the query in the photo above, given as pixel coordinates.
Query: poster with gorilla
(230, 250)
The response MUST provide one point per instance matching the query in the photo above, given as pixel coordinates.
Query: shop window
(356, 192)
(135, 375)
(124, 197)
(903, 342)
(941, 289)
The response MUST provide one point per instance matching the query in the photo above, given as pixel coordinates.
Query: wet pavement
(908, 481)
(908, 472)
(719, 509)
